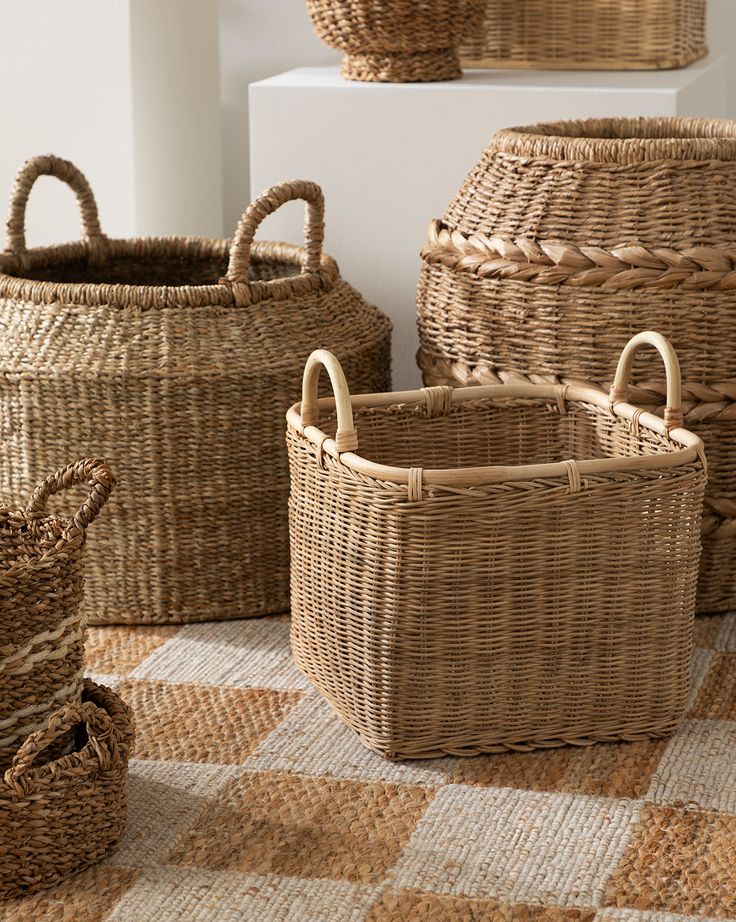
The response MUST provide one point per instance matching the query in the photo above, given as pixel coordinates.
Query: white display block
(390, 156)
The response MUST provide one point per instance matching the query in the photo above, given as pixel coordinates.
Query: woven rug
(248, 800)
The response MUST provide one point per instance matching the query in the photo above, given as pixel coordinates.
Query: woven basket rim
(85, 760)
(622, 140)
(14, 285)
(690, 452)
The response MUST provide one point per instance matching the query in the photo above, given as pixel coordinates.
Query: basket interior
(160, 263)
(493, 432)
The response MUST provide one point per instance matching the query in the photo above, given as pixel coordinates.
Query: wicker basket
(393, 41)
(175, 359)
(586, 34)
(59, 817)
(41, 622)
(448, 596)
(567, 238)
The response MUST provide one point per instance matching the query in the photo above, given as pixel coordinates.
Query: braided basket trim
(554, 262)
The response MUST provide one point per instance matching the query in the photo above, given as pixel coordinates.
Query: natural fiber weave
(449, 596)
(567, 238)
(586, 34)
(61, 816)
(176, 359)
(393, 41)
(274, 811)
(41, 622)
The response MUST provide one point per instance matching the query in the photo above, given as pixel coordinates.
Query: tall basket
(42, 624)
(498, 567)
(567, 238)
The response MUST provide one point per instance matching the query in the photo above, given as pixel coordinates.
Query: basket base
(402, 67)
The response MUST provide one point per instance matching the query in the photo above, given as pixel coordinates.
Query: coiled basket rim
(18, 287)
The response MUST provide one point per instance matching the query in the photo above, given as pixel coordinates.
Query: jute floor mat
(248, 800)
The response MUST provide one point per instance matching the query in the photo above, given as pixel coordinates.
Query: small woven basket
(586, 34)
(58, 817)
(393, 41)
(449, 596)
(41, 621)
(175, 358)
(567, 238)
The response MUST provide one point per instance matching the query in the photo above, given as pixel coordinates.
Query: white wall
(129, 91)
(258, 38)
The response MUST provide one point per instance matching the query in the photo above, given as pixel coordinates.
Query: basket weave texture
(41, 621)
(586, 34)
(57, 817)
(567, 238)
(175, 359)
(393, 41)
(449, 596)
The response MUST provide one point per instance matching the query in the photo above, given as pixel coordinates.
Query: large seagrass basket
(497, 567)
(41, 589)
(586, 34)
(176, 359)
(60, 816)
(565, 240)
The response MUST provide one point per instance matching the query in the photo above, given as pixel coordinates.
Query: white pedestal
(129, 91)
(390, 157)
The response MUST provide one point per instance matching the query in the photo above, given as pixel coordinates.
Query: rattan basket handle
(346, 438)
(261, 208)
(673, 416)
(89, 470)
(15, 241)
(102, 734)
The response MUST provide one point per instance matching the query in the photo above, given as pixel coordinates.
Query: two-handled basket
(176, 358)
(499, 567)
(59, 816)
(42, 625)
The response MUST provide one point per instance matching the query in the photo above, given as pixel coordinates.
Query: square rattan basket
(499, 567)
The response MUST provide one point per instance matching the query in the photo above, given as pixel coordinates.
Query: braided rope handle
(66, 172)
(346, 438)
(88, 470)
(673, 416)
(265, 205)
(101, 731)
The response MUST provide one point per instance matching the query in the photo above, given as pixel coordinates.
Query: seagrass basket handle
(15, 241)
(673, 415)
(102, 734)
(89, 470)
(261, 208)
(346, 438)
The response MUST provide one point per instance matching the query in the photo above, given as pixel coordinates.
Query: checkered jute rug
(249, 800)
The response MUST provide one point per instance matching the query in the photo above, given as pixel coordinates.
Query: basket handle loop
(92, 470)
(673, 416)
(15, 241)
(346, 438)
(266, 204)
(100, 730)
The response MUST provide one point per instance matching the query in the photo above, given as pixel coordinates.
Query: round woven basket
(41, 621)
(565, 240)
(58, 817)
(393, 41)
(176, 359)
(586, 34)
